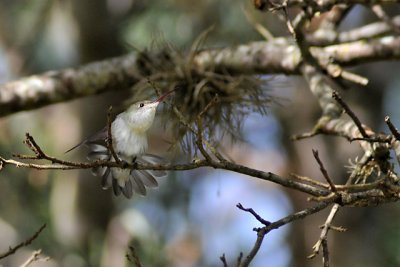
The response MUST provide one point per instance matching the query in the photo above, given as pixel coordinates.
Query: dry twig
(392, 128)
(35, 257)
(261, 232)
(110, 146)
(25, 243)
(223, 259)
(353, 116)
(132, 256)
(324, 171)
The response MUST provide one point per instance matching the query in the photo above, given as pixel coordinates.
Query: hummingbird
(129, 140)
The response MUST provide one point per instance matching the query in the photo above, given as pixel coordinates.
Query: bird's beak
(161, 98)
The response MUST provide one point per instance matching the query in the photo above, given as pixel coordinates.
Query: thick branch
(277, 56)
(369, 31)
(57, 86)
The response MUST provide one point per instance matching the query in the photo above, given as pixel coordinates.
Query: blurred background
(191, 220)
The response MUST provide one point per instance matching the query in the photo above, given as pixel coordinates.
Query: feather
(153, 159)
(147, 179)
(106, 179)
(133, 181)
(116, 187)
(138, 185)
(158, 173)
(98, 170)
(96, 137)
(93, 155)
(127, 189)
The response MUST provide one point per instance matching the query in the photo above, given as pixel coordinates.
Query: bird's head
(141, 114)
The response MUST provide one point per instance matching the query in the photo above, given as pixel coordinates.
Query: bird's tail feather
(137, 181)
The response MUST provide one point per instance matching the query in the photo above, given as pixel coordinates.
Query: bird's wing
(153, 159)
(98, 137)
(138, 180)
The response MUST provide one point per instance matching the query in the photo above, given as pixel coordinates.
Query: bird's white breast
(127, 141)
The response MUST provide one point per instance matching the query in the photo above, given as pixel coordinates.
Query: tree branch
(261, 232)
(277, 56)
(27, 242)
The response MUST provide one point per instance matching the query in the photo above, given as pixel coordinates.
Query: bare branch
(258, 217)
(373, 30)
(261, 232)
(380, 13)
(35, 257)
(57, 86)
(324, 234)
(353, 116)
(239, 259)
(223, 259)
(110, 138)
(324, 171)
(226, 165)
(277, 56)
(132, 256)
(200, 130)
(392, 128)
(25, 243)
(325, 253)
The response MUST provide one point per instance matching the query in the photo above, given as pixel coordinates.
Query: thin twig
(392, 128)
(199, 139)
(277, 224)
(325, 230)
(324, 171)
(132, 256)
(25, 243)
(340, 229)
(309, 180)
(226, 165)
(239, 259)
(109, 136)
(209, 105)
(264, 32)
(381, 14)
(325, 253)
(223, 259)
(304, 135)
(31, 143)
(336, 71)
(34, 258)
(250, 210)
(375, 139)
(289, 24)
(353, 116)
(187, 124)
(200, 130)
(253, 252)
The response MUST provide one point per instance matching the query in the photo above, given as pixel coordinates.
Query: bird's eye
(141, 105)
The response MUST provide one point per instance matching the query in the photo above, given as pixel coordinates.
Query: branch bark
(278, 56)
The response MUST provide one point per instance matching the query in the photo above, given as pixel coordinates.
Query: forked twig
(251, 211)
(261, 232)
(223, 259)
(381, 14)
(324, 233)
(35, 257)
